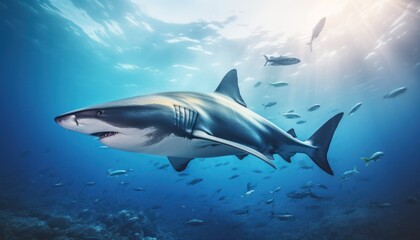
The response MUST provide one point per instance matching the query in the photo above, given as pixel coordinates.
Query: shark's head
(294, 60)
(124, 124)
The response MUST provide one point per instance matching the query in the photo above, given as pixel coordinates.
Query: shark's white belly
(175, 146)
(171, 145)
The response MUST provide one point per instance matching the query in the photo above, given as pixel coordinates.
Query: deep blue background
(47, 70)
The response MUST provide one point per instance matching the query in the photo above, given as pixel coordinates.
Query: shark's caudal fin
(266, 60)
(321, 139)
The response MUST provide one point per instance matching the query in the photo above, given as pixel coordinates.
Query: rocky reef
(87, 225)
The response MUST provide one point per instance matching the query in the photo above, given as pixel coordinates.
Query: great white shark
(188, 125)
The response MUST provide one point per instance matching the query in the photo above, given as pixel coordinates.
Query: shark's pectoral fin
(208, 137)
(179, 164)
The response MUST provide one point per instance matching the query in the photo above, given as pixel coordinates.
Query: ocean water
(61, 55)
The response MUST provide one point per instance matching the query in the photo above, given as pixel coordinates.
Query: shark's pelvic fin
(179, 164)
(229, 87)
(206, 136)
(287, 156)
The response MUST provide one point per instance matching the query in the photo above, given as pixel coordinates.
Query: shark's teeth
(107, 134)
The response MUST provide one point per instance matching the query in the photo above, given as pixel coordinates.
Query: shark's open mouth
(103, 135)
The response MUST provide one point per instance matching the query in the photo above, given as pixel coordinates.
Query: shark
(186, 125)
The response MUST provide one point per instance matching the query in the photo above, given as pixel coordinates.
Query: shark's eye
(99, 113)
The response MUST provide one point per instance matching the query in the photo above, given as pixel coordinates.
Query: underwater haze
(363, 59)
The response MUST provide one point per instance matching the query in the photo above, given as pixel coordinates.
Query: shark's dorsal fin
(229, 87)
(203, 135)
(292, 132)
(179, 164)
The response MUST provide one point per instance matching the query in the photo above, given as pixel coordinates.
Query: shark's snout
(67, 121)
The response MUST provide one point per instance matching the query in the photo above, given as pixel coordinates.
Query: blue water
(57, 56)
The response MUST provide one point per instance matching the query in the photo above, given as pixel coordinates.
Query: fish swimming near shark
(396, 92)
(316, 31)
(373, 158)
(188, 125)
(280, 61)
(355, 108)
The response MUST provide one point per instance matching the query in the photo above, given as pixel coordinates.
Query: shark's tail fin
(266, 60)
(366, 160)
(321, 139)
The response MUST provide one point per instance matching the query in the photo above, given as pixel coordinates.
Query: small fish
(291, 115)
(269, 104)
(257, 84)
(290, 111)
(222, 198)
(396, 92)
(314, 107)
(349, 173)
(283, 167)
(122, 183)
(90, 183)
(380, 205)
(269, 201)
(275, 190)
(301, 122)
(234, 168)
(138, 189)
(322, 186)
(283, 216)
(313, 207)
(194, 222)
(103, 147)
(257, 171)
(305, 167)
(280, 61)
(316, 31)
(183, 174)
(355, 108)
(247, 193)
(117, 172)
(233, 176)
(163, 166)
(195, 181)
(349, 211)
(278, 84)
(58, 184)
(308, 185)
(373, 158)
(241, 211)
